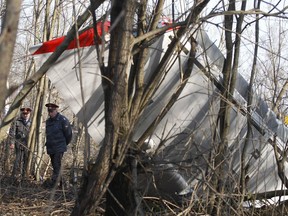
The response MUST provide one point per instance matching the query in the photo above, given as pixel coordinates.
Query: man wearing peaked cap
(52, 105)
(58, 136)
(18, 133)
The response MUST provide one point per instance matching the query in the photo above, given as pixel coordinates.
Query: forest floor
(31, 198)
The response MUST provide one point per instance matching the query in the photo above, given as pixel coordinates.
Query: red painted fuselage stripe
(85, 39)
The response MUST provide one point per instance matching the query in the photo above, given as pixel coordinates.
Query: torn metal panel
(184, 137)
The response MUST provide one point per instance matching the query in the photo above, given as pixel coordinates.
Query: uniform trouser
(20, 161)
(56, 164)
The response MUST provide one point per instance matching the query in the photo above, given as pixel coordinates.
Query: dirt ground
(31, 198)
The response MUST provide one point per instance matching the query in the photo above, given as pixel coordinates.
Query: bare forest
(177, 107)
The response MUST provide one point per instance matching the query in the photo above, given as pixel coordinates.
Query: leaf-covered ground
(29, 197)
(32, 198)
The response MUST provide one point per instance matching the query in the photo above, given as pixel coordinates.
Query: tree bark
(7, 42)
(115, 145)
(220, 155)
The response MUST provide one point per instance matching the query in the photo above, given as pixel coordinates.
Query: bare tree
(112, 158)
(8, 37)
(114, 175)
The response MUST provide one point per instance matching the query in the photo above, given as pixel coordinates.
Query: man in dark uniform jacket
(58, 136)
(19, 132)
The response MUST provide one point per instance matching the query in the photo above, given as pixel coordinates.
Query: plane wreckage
(184, 134)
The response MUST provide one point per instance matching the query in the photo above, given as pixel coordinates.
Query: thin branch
(28, 85)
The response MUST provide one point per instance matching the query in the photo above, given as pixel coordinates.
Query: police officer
(19, 131)
(58, 136)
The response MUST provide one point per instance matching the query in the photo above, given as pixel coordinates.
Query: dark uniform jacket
(58, 134)
(20, 131)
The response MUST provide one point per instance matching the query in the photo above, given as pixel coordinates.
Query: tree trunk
(121, 197)
(8, 39)
(115, 144)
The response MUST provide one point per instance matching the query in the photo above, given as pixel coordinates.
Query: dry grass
(28, 197)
